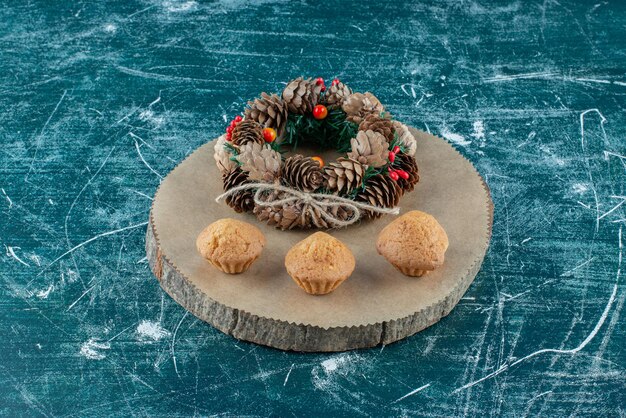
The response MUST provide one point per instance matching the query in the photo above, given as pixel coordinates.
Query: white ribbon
(314, 201)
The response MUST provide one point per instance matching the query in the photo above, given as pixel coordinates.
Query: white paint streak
(82, 244)
(456, 138)
(173, 346)
(151, 330)
(43, 294)
(90, 349)
(7, 198)
(80, 297)
(11, 253)
(479, 130)
(569, 272)
(288, 374)
(145, 162)
(413, 392)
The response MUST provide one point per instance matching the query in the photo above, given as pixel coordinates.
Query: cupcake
(319, 263)
(415, 243)
(230, 245)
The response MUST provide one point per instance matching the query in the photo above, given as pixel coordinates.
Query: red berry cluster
(396, 173)
(231, 126)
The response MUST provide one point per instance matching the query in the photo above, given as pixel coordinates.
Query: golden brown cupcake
(319, 263)
(231, 245)
(415, 243)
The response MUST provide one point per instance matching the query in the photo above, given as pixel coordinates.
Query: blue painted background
(100, 100)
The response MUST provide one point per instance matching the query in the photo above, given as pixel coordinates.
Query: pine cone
(222, 156)
(243, 200)
(288, 216)
(338, 212)
(344, 175)
(261, 162)
(303, 173)
(380, 190)
(407, 163)
(335, 95)
(268, 111)
(247, 131)
(384, 126)
(369, 148)
(405, 138)
(359, 105)
(301, 95)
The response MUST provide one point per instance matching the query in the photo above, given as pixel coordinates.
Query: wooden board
(376, 305)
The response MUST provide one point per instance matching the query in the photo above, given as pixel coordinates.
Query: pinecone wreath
(303, 173)
(378, 165)
(243, 200)
(381, 191)
(269, 111)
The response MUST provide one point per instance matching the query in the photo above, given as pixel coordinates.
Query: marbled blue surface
(100, 100)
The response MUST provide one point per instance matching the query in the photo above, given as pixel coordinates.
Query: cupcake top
(230, 241)
(319, 259)
(413, 242)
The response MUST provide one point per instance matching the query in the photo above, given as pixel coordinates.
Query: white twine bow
(314, 201)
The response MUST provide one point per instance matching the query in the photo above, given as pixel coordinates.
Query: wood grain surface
(99, 100)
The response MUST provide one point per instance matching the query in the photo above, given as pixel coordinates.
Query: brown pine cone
(407, 163)
(303, 173)
(242, 201)
(383, 126)
(260, 161)
(380, 190)
(335, 95)
(301, 95)
(337, 212)
(247, 131)
(268, 111)
(287, 216)
(369, 148)
(405, 138)
(359, 105)
(344, 175)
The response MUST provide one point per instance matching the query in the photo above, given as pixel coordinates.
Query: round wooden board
(376, 305)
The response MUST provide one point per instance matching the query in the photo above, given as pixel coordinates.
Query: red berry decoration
(393, 175)
(396, 149)
(320, 112)
(319, 81)
(228, 136)
(238, 119)
(269, 134)
(392, 156)
(403, 174)
(229, 129)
